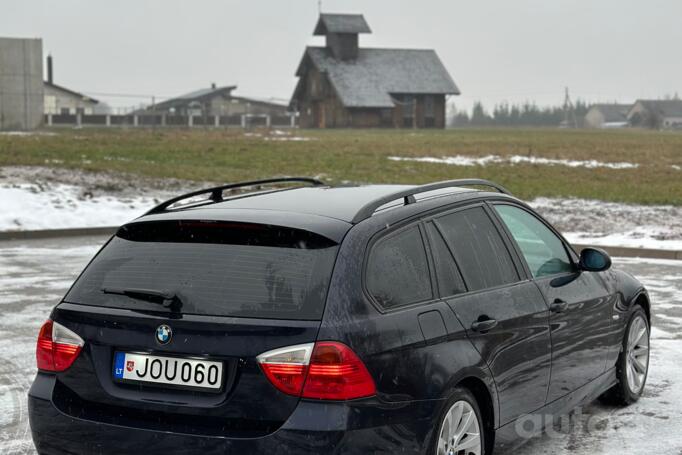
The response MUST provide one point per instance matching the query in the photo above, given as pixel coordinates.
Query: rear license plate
(168, 371)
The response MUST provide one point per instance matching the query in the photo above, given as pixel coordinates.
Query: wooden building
(343, 85)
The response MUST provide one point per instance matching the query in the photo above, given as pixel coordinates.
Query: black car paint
(417, 355)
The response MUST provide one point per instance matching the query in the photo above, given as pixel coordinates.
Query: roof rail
(368, 209)
(216, 193)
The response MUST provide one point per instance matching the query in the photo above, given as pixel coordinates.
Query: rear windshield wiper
(166, 298)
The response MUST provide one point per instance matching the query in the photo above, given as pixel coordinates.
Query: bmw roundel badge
(163, 334)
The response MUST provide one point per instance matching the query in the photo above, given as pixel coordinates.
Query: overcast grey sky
(495, 49)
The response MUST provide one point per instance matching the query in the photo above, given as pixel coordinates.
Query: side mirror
(594, 260)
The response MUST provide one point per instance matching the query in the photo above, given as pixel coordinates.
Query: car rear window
(212, 268)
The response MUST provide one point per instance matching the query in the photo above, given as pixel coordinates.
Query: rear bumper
(324, 428)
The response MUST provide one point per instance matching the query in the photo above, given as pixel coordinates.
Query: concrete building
(218, 101)
(59, 100)
(607, 116)
(345, 85)
(656, 114)
(21, 83)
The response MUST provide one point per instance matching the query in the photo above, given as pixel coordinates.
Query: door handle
(559, 306)
(483, 326)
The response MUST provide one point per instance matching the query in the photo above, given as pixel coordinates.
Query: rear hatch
(188, 291)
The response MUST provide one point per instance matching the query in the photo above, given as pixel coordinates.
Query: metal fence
(170, 121)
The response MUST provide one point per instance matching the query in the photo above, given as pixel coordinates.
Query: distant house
(344, 85)
(218, 101)
(658, 114)
(61, 100)
(607, 116)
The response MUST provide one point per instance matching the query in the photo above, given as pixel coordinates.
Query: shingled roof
(371, 79)
(341, 23)
(664, 108)
(613, 113)
(197, 95)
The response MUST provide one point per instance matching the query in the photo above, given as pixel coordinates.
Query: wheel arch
(484, 398)
(642, 299)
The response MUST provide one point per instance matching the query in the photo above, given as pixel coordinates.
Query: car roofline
(408, 195)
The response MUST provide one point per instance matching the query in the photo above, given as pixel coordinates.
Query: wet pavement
(34, 275)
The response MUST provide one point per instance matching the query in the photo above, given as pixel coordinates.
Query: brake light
(57, 347)
(325, 370)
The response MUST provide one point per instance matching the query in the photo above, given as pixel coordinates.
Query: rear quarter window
(214, 268)
(397, 271)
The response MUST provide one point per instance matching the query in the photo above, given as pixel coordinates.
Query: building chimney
(49, 69)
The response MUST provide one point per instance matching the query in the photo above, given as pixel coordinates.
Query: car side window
(543, 250)
(398, 271)
(449, 279)
(481, 254)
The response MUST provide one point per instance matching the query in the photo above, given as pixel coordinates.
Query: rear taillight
(57, 347)
(325, 370)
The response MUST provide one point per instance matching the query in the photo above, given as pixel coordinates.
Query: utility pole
(569, 112)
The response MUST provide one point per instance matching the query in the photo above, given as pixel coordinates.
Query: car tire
(459, 423)
(633, 356)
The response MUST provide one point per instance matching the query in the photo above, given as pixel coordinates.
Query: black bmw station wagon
(288, 316)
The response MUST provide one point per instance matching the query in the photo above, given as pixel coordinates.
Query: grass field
(361, 156)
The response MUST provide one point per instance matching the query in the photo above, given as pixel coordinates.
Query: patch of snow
(676, 167)
(464, 160)
(614, 224)
(458, 160)
(27, 133)
(516, 159)
(28, 206)
(639, 238)
(289, 138)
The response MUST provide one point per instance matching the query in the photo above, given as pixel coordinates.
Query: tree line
(525, 114)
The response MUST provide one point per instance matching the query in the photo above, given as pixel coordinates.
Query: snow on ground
(653, 425)
(43, 197)
(27, 133)
(279, 136)
(58, 198)
(30, 206)
(614, 224)
(36, 274)
(34, 278)
(464, 160)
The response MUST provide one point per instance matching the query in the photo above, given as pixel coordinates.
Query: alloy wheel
(637, 362)
(460, 433)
